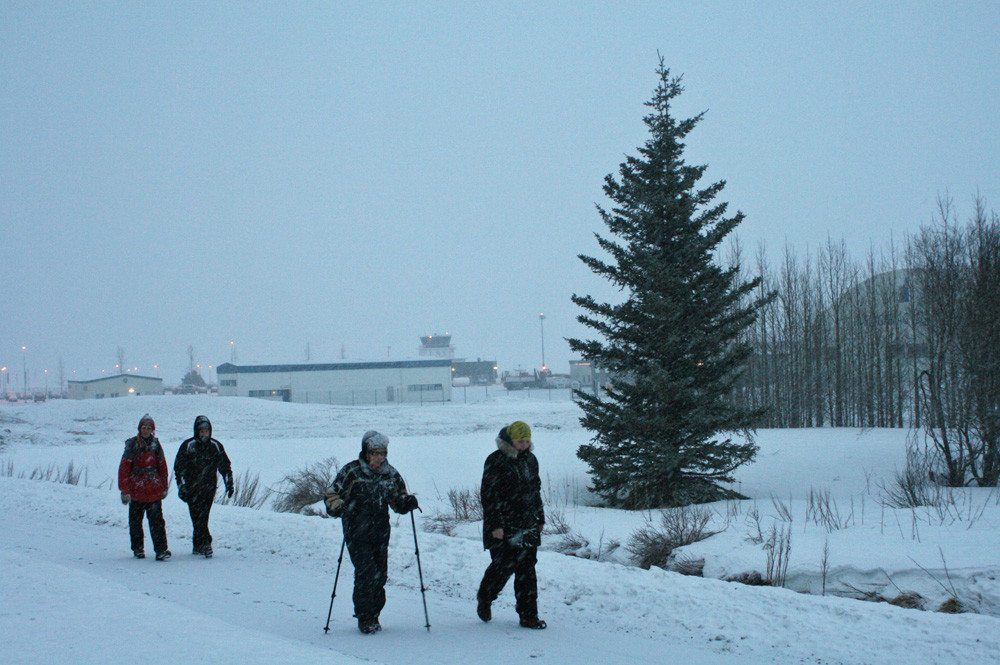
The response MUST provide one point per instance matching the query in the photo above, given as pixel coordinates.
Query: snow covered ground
(70, 591)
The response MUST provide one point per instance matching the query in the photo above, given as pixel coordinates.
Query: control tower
(436, 346)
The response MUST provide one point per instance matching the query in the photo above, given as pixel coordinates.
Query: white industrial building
(395, 381)
(121, 385)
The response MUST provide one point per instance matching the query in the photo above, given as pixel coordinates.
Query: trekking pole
(416, 550)
(336, 577)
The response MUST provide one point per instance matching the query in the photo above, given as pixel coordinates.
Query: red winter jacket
(143, 473)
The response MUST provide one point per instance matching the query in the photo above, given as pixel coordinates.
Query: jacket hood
(200, 422)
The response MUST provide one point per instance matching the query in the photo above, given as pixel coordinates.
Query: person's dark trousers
(153, 511)
(371, 570)
(519, 561)
(200, 506)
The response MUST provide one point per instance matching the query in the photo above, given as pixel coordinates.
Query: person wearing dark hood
(361, 496)
(513, 518)
(199, 461)
(144, 481)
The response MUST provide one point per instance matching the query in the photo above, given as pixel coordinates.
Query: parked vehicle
(519, 379)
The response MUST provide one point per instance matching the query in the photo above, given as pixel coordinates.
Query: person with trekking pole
(200, 460)
(513, 518)
(144, 481)
(361, 496)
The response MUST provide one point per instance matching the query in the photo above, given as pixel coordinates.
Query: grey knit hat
(373, 440)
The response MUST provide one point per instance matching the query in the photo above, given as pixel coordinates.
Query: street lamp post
(24, 360)
(541, 323)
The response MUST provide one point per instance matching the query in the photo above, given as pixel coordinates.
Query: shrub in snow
(952, 606)
(301, 489)
(575, 544)
(247, 492)
(466, 504)
(909, 600)
(652, 546)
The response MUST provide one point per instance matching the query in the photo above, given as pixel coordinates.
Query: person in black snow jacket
(362, 494)
(513, 518)
(198, 461)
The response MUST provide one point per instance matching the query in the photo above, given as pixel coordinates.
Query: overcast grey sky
(352, 175)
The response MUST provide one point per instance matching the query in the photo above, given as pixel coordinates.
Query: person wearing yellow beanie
(513, 517)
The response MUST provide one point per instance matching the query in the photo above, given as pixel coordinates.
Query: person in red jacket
(144, 481)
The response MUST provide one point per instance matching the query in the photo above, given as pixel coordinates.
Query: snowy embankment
(74, 592)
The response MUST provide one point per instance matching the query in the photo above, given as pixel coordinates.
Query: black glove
(229, 488)
(410, 503)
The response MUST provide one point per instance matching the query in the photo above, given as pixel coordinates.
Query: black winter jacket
(512, 496)
(367, 495)
(197, 464)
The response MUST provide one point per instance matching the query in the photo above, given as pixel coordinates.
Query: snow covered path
(72, 593)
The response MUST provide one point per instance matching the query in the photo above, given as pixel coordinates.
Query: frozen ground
(71, 591)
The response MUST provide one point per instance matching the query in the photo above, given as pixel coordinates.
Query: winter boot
(483, 610)
(163, 556)
(138, 554)
(207, 551)
(532, 622)
(369, 626)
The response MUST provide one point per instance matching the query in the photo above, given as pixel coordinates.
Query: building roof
(118, 376)
(229, 368)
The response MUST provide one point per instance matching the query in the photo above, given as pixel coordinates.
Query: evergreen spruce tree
(193, 378)
(665, 431)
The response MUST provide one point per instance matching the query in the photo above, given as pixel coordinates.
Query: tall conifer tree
(665, 431)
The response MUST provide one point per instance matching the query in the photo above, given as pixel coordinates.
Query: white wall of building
(122, 385)
(404, 381)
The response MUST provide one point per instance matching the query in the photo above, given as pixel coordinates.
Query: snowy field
(72, 593)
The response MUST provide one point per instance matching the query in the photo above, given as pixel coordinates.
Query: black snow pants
(200, 506)
(371, 571)
(519, 561)
(153, 511)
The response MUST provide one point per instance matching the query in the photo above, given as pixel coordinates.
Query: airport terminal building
(346, 383)
(121, 385)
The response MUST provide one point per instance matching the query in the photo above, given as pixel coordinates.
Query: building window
(283, 394)
(424, 387)
(228, 382)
